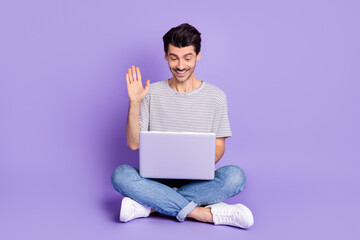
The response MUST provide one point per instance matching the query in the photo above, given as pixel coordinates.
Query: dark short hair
(182, 36)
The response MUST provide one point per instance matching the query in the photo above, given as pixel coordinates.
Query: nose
(180, 64)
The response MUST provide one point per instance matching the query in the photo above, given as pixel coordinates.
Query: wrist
(135, 102)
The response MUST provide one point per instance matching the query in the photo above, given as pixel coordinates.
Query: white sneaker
(237, 215)
(131, 209)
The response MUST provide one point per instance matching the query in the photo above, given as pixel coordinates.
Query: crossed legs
(185, 201)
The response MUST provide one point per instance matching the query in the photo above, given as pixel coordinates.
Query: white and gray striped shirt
(201, 110)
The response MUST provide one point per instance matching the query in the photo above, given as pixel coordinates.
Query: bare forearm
(132, 125)
(219, 152)
(219, 148)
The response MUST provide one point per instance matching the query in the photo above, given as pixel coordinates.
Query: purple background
(290, 70)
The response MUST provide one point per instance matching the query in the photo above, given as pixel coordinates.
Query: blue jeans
(159, 194)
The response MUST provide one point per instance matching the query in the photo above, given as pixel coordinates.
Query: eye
(173, 59)
(188, 59)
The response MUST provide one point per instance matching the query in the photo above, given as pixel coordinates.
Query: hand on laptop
(135, 88)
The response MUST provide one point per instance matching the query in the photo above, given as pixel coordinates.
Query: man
(182, 103)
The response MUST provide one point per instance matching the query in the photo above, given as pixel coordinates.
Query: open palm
(135, 88)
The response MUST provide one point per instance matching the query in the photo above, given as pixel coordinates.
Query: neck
(184, 86)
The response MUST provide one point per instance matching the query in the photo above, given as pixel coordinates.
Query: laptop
(177, 155)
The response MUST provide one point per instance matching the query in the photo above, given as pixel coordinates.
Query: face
(182, 61)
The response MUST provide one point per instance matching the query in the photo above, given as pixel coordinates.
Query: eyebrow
(172, 54)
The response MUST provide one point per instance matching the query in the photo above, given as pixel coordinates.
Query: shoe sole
(124, 202)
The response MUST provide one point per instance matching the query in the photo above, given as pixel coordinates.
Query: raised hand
(135, 88)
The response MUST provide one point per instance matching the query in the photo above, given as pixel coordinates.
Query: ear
(198, 56)
(166, 56)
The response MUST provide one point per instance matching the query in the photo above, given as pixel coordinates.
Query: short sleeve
(221, 124)
(144, 117)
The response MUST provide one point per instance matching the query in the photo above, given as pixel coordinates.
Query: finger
(130, 75)
(138, 74)
(127, 79)
(147, 85)
(133, 73)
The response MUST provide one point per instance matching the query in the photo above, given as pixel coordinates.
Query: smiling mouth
(181, 73)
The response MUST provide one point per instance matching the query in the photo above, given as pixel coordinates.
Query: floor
(283, 209)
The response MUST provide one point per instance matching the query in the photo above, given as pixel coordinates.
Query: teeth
(181, 72)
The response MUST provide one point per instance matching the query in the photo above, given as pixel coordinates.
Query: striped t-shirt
(201, 110)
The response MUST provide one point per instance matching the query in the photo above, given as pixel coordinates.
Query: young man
(182, 103)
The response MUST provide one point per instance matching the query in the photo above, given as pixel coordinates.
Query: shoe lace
(139, 210)
(229, 217)
(226, 216)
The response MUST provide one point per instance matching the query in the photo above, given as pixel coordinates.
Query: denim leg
(228, 182)
(150, 193)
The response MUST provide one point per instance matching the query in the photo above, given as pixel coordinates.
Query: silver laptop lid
(177, 155)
